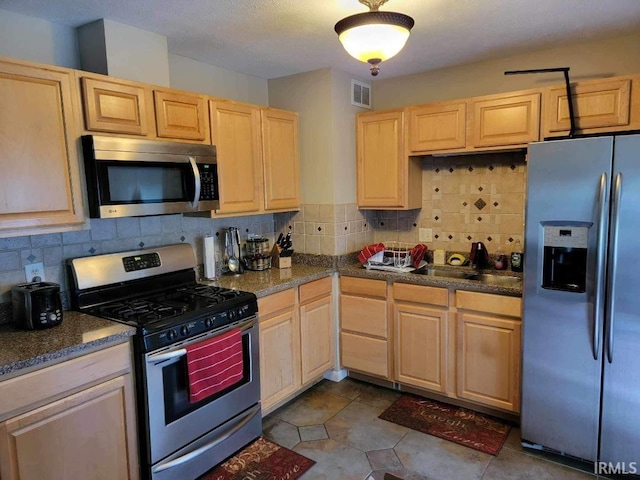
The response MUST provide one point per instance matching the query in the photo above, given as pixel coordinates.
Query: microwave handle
(196, 177)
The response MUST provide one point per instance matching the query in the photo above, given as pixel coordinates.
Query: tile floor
(337, 425)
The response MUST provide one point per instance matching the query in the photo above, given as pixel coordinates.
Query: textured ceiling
(274, 38)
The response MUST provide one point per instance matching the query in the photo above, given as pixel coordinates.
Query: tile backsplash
(114, 235)
(465, 198)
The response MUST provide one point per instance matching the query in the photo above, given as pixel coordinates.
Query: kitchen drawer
(364, 315)
(420, 294)
(363, 286)
(318, 288)
(364, 354)
(486, 302)
(276, 302)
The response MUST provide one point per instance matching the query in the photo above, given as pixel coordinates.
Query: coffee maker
(232, 256)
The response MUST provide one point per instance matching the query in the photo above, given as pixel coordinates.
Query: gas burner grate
(139, 310)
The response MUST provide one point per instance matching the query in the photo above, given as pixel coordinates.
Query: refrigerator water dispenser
(565, 258)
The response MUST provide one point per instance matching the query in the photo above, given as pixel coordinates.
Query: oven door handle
(161, 357)
(248, 415)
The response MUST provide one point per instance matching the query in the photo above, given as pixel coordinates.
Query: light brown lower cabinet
(459, 344)
(316, 329)
(296, 341)
(421, 335)
(83, 433)
(279, 347)
(489, 349)
(364, 327)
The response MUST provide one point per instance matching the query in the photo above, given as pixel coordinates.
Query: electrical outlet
(425, 235)
(34, 270)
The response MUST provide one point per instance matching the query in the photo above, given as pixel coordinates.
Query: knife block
(278, 261)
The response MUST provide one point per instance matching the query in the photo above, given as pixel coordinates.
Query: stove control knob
(172, 334)
(208, 322)
(232, 314)
(184, 330)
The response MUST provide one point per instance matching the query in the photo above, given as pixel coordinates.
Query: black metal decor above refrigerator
(581, 322)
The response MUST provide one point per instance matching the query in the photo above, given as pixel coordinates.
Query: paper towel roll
(209, 253)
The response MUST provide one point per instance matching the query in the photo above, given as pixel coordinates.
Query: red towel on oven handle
(214, 364)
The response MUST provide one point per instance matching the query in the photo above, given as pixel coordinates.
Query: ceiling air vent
(360, 94)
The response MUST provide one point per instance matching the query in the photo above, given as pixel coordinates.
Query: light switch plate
(425, 235)
(34, 270)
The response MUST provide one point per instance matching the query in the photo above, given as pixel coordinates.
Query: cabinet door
(421, 346)
(235, 131)
(506, 120)
(181, 116)
(489, 360)
(279, 357)
(281, 161)
(316, 337)
(599, 106)
(381, 160)
(80, 436)
(115, 107)
(437, 127)
(39, 130)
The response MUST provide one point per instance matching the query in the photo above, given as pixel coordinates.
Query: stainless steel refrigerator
(581, 323)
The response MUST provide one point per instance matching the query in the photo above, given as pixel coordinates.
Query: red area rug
(261, 460)
(465, 427)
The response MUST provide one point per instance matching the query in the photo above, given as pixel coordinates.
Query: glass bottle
(517, 257)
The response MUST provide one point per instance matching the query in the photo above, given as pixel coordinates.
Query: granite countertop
(514, 289)
(26, 350)
(272, 280)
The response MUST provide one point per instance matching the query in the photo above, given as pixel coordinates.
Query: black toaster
(36, 305)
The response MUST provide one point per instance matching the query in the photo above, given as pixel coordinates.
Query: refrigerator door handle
(613, 265)
(598, 308)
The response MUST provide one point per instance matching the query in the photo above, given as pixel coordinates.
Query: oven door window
(127, 183)
(176, 386)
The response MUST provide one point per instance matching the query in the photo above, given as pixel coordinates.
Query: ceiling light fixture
(374, 36)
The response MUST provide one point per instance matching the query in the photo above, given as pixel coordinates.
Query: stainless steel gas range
(155, 290)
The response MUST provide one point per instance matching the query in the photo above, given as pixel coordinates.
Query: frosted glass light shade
(374, 36)
(374, 41)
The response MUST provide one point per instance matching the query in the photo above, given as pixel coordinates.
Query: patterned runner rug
(465, 427)
(261, 460)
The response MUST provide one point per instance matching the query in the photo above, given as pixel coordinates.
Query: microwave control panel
(208, 181)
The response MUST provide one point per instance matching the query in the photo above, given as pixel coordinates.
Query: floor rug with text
(465, 427)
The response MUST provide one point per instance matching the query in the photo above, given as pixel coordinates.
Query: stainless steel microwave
(131, 177)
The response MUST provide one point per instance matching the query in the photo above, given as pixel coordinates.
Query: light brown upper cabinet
(387, 178)
(40, 187)
(280, 160)
(505, 120)
(235, 131)
(181, 115)
(600, 106)
(437, 126)
(117, 107)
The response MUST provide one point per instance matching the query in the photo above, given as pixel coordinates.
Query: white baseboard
(336, 375)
